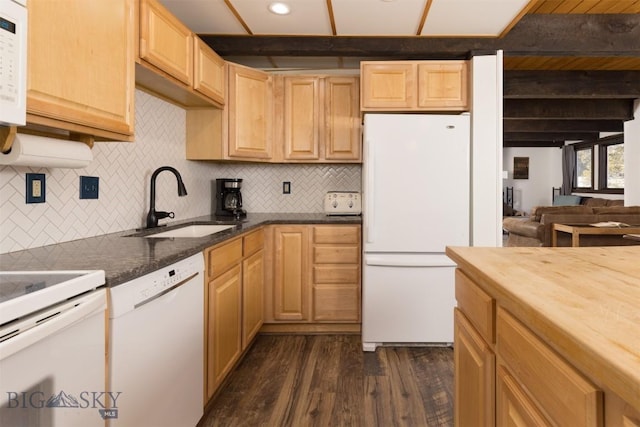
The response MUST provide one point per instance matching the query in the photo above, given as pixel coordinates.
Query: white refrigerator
(416, 195)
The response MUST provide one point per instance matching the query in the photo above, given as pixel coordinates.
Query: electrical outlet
(35, 188)
(89, 187)
(286, 187)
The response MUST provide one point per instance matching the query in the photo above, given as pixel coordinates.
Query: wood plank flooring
(327, 380)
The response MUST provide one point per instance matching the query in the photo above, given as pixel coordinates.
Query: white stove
(52, 348)
(26, 292)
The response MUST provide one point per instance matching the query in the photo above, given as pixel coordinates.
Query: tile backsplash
(125, 170)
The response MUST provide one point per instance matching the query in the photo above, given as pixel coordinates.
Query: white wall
(486, 149)
(632, 159)
(125, 169)
(545, 172)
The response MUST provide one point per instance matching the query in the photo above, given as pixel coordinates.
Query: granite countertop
(583, 302)
(124, 258)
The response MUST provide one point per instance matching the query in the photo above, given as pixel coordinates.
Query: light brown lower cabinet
(291, 273)
(474, 376)
(253, 296)
(513, 406)
(233, 304)
(314, 278)
(502, 366)
(225, 324)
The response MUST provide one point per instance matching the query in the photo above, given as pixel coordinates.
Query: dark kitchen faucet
(153, 216)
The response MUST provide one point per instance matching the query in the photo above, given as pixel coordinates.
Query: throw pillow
(566, 200)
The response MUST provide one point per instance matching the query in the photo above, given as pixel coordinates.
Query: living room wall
(545, 172)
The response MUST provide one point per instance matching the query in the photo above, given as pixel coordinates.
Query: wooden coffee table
(576, 230)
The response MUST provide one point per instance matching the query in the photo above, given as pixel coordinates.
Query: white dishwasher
(156, 331)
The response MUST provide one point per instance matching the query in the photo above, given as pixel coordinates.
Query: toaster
(342, 203)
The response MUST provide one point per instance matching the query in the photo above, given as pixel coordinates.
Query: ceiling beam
(524, 125)
(558, 144)
(534, 34)
(577, 109)
(550, 136)
(571, 84)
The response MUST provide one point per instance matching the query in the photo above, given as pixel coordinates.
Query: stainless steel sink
(193, 230)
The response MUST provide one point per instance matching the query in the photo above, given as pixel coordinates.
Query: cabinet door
(474, 376)
(249, 107)
(388, 85)
(209, 72)
(513, 407)
(291, 273)
(562, 392)
(86, 83)
(342, 118)
(165, 42)
(301, 118)
(442, 85)
(252, 296)
(224, 341)
(619, 413)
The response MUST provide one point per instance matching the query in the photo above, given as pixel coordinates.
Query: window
(612, 153)
(600, 165)
(584, 167)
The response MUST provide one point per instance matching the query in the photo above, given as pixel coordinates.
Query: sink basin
(194, 230)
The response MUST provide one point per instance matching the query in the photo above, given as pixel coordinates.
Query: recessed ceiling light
(279, 8)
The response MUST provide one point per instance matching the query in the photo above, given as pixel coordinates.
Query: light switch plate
(36, 188)
(89, 187)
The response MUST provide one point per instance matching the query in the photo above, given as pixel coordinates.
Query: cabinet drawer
(222, 257)
(336, 234)
(619, 413)
(336, 254)
(253, 242)
(335, 274)
(564, 395)
(513, 406)
(477, 305)
(336, 303)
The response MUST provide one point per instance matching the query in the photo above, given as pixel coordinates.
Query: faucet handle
(161, 215)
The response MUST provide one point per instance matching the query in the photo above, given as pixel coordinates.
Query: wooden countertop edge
(598, 368)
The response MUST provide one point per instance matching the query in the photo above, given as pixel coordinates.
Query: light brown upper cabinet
(342, 119)
(85, 85)
(317, 119)
(208, 74)
(249, 113)
(242, 131)
(175, 63)
(414, 86)
(301, 102)
(165, 42)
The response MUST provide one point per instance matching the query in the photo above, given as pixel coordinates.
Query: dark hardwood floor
(327, 380)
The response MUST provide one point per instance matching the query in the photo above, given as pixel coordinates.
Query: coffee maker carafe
(229, 197)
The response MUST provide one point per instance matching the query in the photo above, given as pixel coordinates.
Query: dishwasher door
(52, 373)
(157, 348)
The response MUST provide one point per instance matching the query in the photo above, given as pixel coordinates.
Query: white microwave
(13, 62)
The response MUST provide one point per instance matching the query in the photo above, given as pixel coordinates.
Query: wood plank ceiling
(572, 67)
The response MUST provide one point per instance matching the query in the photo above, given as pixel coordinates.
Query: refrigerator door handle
(369, 215)
(385, 261)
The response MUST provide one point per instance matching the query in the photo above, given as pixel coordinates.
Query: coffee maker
(229, 197)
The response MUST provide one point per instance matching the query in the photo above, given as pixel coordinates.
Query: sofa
(536, 229)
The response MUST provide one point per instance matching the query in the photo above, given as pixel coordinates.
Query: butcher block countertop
(584, 302)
